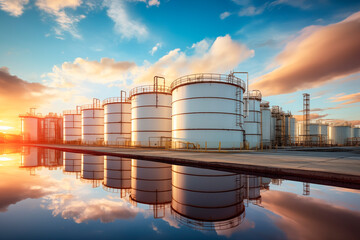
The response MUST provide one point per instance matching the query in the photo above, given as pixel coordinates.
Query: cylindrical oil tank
(272, 129)
(207, 110)
(53, 128)
(356, 132)
(92, 124)
(252, 123)
(117, 121)
(292, 130)
(72, 125)
(150, 116)
(92, 167)
(72, 162)
(150, 182)
(117, 172)
(207, 196)
(314, 129)
(265, 123)
(31, 128)
(339, 134)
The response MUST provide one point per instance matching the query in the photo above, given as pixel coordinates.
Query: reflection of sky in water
(50, 204)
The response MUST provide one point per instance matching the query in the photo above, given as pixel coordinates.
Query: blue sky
(139, 38)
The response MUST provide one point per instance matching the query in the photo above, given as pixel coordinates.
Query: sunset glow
(55, 55)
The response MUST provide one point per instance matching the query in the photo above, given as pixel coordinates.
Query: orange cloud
(309, 218)
(18, 96)
(347, 99)
(312, 116)
(319, 55)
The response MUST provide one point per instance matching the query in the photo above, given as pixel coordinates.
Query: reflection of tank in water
(52, 158)
(207, 199)
(117, 175)
(151, 184)
(72, 163)
(92, 169)
(252, 188)
(31, 158)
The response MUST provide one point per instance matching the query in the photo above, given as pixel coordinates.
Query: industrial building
(197, 111)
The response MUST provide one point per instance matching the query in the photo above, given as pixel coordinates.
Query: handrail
(90, 106)
(115, 100)
(65, 112)
(149, 89)
(253, 94)
(208, 77)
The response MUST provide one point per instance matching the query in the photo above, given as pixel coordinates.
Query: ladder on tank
(238, 106)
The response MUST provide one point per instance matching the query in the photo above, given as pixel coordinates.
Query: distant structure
(36, 128)
(306, 117)
(203, 111)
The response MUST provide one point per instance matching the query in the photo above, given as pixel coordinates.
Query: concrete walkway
(332, 168)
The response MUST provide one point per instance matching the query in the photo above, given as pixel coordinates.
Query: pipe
(247, 89)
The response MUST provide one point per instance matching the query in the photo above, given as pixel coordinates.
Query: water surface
(49, 194)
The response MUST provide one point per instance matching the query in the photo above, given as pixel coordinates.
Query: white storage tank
(207, 198)
(72, 162)
(273, 130)
(151, 115)
(32, 126)
(92, 169)
(252, 123)
(265, 123)
(92, 123)
(117, 120)
(117, 173)
(72, 125)
(207, 110)
(356, 132)
(53, 128)
(339, 134)
(150, 182)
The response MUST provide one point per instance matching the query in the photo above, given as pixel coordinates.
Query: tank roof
(115, 100)
(253, 94)
(149, 89)
(208, 78)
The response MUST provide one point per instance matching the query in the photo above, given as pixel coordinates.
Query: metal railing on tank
(208, 77)
(149, 89)
(254, 94)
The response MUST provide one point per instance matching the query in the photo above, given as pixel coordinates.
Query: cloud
(17, 185)
(347, 99)
(80, 211)
(312, 116)
(105, 71)
(224, 15)
(177, 63)
(174, 64)
(124, 26)
(155, 48)
(252, 11)
(302, 217)
(319, 55)
(19, 95)
(154, 3)
(302, 4)
(65, 21)
(14, 7)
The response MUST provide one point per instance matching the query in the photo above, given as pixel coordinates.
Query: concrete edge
(309, 176)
